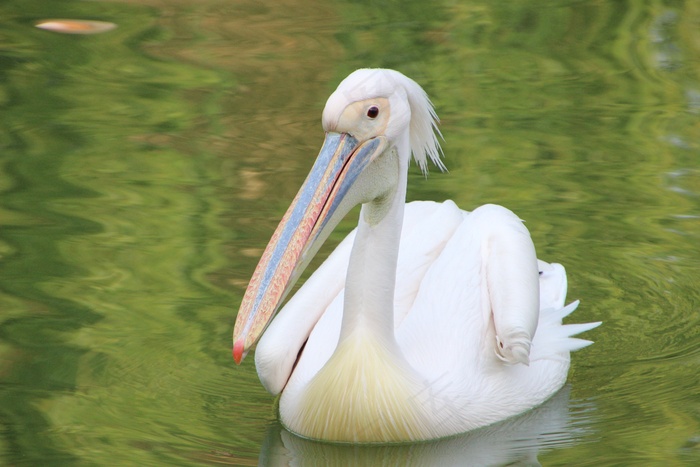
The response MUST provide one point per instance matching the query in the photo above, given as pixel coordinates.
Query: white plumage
(427, 320)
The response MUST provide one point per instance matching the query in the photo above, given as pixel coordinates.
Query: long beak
(315, 211)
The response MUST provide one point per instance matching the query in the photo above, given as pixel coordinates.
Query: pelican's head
(373, 122)
(378, 102)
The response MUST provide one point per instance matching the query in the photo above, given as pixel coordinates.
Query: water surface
(142, 171)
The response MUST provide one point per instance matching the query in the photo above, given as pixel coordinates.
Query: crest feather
(424, 127)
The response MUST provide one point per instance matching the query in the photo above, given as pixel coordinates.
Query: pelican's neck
(371, 278)
(367, 391)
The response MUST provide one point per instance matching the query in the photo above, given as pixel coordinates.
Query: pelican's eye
(373, 112)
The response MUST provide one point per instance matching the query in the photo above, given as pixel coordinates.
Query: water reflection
(555, 424)
(141, 170)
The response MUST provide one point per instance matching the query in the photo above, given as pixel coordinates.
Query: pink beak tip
(238, 351)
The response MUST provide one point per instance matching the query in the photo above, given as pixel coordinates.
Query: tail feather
(565, 311)
(578, 328)
(553, 337)
(574, 344)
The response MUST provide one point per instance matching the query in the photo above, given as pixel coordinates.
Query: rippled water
(142, 171)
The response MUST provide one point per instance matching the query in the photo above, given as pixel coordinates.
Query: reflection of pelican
(446, 345)
(516, 441)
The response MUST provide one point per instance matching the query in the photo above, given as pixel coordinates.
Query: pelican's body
(426, 321)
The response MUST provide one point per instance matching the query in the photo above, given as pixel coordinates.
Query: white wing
(468, 284)
(480, 292)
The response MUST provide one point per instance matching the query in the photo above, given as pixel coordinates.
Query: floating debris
(75, 26)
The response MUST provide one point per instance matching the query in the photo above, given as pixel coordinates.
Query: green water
(143, 170)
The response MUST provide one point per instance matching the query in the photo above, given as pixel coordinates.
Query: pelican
(426, 321)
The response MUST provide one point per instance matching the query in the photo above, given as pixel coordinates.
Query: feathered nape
(424, 129)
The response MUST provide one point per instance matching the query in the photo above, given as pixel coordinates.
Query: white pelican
(421, 324)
